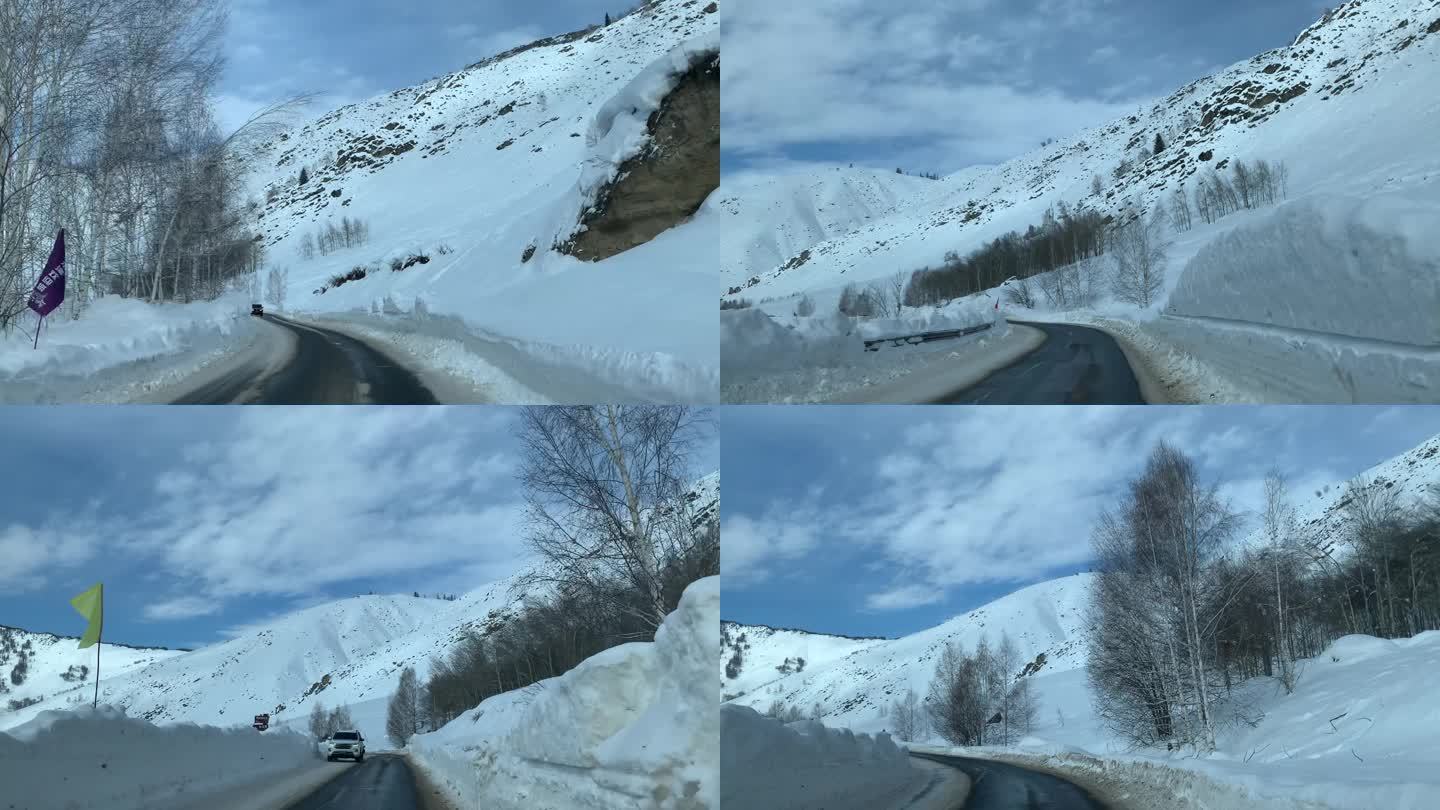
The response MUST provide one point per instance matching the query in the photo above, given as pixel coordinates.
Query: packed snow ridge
(770, 764)
(633, 726)
(101, 757)
(1327, 295)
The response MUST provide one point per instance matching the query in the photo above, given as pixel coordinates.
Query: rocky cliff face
(665, 184)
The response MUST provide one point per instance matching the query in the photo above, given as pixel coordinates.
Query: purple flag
(49, 290)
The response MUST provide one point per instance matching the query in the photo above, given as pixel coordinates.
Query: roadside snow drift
(101, 758)
(633, 726)
(769, 764)
(119, 348)
(1284, 270)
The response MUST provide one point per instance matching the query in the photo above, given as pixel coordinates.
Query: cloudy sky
(350, 50)
(939, 86)
(202, 520)
(884, 520)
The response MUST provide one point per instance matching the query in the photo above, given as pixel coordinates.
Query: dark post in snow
(49, 290)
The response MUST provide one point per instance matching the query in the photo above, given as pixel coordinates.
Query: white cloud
(840, 71)
(996, 495)
(904, 597)
(31, 555)
(294, 500)
(182, 607)
(754, 550)
(1104, 53)
(478, 46)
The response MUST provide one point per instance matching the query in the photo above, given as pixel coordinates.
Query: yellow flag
(89, 604)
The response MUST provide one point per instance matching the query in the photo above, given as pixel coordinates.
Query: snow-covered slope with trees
(338, 653)
(856, 690)
(471, 185)
(1346, 109)
(1351, 735)
(752, 655)
(36, 666)
(348, 653)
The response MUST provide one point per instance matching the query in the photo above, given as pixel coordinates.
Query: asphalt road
(381, 782)
(1002, 786)
(328, 368)
(1076, 365)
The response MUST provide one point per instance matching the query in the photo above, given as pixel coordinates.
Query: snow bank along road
(1002, 786)
(381, 782)
(324, 368)
(1076, 365)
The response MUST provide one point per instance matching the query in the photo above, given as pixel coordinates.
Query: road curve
(1076, 365)
(327, 368)
(1002, 786)
(381, 782)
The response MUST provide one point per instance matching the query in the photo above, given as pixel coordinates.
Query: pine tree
(304, 176)
(607, 18)
(1159, 144)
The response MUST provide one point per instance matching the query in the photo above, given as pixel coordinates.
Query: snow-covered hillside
(55, 667)
(345, 652)
(855, 690)
(1274, 747)
(753, 655)
(471, 183)
(1347, 108)
(348, 652)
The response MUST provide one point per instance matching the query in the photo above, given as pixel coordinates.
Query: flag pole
(37, 332)
(99, 642)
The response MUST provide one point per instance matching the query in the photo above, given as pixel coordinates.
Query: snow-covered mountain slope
(473, 183)
(344, 652)
(348, 652)
(855, 690)
(1047, 619)
(753, 655)
(762, 220)
(1348, 107)
(35, 666)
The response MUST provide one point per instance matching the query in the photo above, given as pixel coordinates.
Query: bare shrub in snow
(1137, 252)
(857, 303)
(906, 717)
(1020, 292)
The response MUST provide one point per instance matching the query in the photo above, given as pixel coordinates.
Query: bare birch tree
(605, 495)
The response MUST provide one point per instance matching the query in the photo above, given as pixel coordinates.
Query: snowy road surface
(326, 368)
(1002, 786)
(381, 782)
(1076, 365)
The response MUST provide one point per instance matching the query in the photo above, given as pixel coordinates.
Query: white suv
(344, 744)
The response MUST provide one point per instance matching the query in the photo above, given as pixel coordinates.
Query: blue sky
(204, 520)
(939, 86)
(350, 50)
(884, 520)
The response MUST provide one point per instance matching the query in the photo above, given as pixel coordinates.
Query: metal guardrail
(924, 337)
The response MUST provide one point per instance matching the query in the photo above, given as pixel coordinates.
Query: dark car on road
(256, 309)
